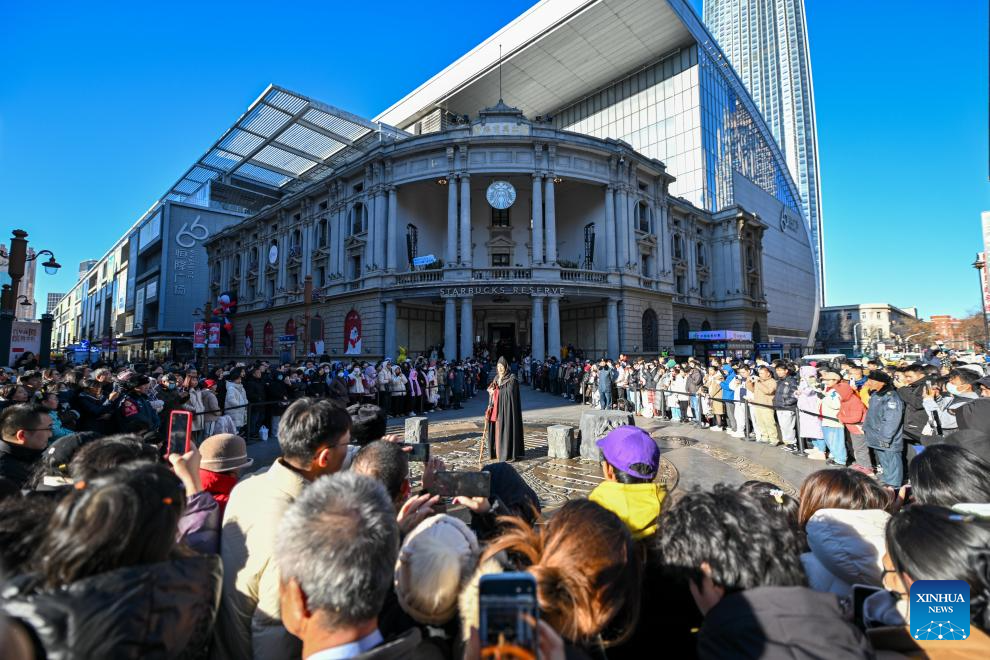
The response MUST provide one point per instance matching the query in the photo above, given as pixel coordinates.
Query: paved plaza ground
(690, 457)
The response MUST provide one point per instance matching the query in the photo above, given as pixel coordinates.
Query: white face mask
(952, 389)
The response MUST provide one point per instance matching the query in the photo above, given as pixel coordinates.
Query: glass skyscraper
(766, 41)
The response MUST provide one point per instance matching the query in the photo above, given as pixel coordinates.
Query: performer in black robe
(504, 416)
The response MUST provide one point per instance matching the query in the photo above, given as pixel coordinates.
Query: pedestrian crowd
(868, 415)
(111, 547)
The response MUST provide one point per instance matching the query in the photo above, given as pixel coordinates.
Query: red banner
(268, 339)
(199, 335)
(214, 341)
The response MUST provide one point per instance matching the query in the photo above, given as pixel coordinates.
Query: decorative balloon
(226, 308)
(402, 355)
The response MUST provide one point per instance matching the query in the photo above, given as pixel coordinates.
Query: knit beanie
(434, 562)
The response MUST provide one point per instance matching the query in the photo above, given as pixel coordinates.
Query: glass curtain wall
(682, 111)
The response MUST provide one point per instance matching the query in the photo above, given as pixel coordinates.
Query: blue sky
(104, 105)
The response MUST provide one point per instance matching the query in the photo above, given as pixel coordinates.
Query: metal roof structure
(284, 141)
(555, 53)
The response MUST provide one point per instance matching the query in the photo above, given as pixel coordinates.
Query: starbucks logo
(501, 194)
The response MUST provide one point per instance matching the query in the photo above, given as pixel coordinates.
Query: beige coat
(249, 623)
(211, 406)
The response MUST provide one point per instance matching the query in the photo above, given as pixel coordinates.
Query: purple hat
(627, 445)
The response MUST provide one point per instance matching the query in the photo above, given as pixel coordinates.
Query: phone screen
(179, 431)
(468, 484)
(507, 616)
(860, 592)
(420, 451)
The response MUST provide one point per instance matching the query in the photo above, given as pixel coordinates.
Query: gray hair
(339, 541)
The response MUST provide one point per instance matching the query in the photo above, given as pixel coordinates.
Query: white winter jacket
(847, 548)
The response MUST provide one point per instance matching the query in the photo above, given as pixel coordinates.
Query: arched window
(323, 234)
(651, 338)
(683, 329)
(705, 325)
(359, 216)
(412, 242)
(643, 215)
(589, 246)
(757, 333)
(268, 339)
(249, 340)
(315, 334)
(290, 327)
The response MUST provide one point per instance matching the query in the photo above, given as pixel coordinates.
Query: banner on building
(25, 336)
(213, 336)
(985, 282)
(249, 339)
(199, 335)
(352, 333)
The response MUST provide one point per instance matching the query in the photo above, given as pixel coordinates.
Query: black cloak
(507, 429)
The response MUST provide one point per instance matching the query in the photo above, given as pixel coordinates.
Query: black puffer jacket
(163, 610)
(915, 415)
(786, 394)
(780, 622)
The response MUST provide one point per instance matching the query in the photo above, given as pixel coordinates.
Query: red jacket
(851, 410)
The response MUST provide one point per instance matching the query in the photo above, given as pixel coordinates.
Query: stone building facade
(498, 230)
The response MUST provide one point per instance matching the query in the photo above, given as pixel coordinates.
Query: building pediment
(500, 241)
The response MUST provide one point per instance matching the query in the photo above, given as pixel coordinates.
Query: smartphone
(468, 484)
(420, 451)
(179, 431)
(860, 592)
(507, 612)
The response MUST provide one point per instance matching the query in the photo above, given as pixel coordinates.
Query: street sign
(425, 260)
(287, 339)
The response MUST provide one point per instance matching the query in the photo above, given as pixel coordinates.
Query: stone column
(392, 254)
(381, 237)
(391, 342)
(451, 220)
(539, 352)
(553, 327)
(537, 219)
(466, 220)
(551, 222)
(282, 278)
(622, 227)
(242, 282)
(343, 231)
(610, 260)
(633, 223)
(612, 309)
(467, 328)
(307, 250)
(369, 236)
(450, 329)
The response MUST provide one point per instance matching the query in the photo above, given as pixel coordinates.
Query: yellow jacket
(638, 505)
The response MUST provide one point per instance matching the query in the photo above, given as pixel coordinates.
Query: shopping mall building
(626, 195)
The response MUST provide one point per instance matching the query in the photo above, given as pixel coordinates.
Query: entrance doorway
(502, 340)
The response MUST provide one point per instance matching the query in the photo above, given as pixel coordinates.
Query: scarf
(219, 485)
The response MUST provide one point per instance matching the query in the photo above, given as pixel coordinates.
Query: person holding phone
(504, 415)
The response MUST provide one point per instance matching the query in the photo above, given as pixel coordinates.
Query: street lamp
(979, 265)
(17, 258)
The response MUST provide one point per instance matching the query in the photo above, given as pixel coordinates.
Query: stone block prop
(417, 429)
(595, 425)
(561, 442)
